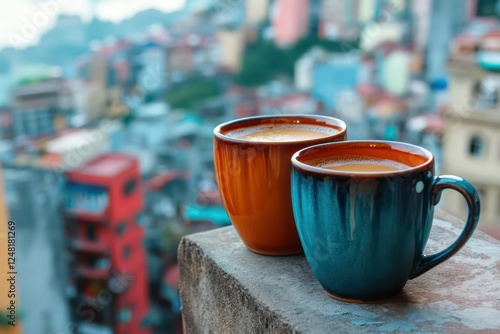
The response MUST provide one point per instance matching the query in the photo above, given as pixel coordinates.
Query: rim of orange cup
(328, 121)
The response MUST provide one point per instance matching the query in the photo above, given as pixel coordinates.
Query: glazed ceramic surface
(364, 234)
(254, 180)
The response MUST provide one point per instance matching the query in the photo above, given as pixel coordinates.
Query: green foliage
(172, 233)
(264, 61)
(32, 74)
(339, 46)
(190, 94)
(487, 8)
(31, 80)
(128, 118)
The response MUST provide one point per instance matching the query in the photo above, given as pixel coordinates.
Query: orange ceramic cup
(254, 179)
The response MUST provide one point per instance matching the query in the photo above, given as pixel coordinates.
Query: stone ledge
(225, 288)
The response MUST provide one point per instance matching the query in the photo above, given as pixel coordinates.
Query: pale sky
(18, 14)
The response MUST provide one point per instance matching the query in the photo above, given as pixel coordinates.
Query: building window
(126, 252)
(120, 229)
(129, 187)
(98, 262)
(91, 233)
(102, 263)
(139, 219)
(124, 315)
(485, 94)
(476, 146)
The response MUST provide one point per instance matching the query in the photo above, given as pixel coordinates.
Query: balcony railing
(93, 273)
(84, 215)
(97, 247)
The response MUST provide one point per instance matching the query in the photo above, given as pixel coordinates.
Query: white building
(304, 69)
(75, 148)
(471, 146)
(256, 11)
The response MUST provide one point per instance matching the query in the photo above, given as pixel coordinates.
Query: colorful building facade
(290, 21)
(108, 273)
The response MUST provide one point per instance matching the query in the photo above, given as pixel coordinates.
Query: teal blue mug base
(362, 301)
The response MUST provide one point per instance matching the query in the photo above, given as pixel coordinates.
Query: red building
(108, 270)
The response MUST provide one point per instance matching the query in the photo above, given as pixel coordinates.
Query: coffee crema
(359, 164)
(282, 132)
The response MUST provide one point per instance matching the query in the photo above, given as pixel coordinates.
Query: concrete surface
(227, 289)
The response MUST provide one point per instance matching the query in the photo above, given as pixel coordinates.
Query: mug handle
(427, 262)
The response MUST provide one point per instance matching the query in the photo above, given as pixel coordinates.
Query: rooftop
(50, 86)
(109, 165)
(74, 140)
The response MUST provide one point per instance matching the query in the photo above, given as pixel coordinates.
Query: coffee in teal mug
(364, 211)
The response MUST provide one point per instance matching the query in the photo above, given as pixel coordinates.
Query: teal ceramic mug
(364, 211)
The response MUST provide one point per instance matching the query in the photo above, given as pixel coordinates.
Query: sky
(40, 15)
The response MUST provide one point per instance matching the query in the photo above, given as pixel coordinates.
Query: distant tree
(190, 94)
(128, 118)
(264, 61)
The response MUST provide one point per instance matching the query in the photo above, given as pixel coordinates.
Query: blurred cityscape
(106, 129)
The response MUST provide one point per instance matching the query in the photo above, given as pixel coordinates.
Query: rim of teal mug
(338, 122)
(394, 145)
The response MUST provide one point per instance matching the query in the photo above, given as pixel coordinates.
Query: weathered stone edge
(189, 255)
